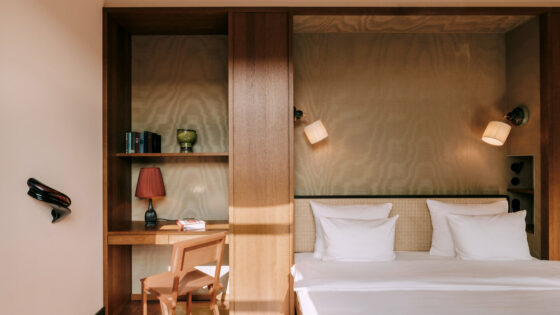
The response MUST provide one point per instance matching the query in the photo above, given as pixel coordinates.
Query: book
(130, 143)
(191, 224)
(148, 141)
(156, 144)
(136, 142)
(141, 141)
(126, 142)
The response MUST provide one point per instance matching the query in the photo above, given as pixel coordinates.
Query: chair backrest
(199, 251)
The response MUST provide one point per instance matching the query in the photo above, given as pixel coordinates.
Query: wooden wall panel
(404, 112)
(550, 135)
(261, 248)
(407, 24)
(116, 172)
(523, 87)
(180, 82)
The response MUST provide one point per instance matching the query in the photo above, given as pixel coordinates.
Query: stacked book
(142, 142)
(191, 225)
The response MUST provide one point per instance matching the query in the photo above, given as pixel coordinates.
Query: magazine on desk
(191, 224)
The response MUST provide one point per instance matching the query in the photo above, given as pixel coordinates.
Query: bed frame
(413, 229)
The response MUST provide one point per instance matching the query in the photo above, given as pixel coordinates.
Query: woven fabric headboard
(414, 226)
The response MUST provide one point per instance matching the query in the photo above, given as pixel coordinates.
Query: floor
(199, 308)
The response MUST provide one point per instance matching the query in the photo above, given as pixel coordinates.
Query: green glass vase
(186, 139)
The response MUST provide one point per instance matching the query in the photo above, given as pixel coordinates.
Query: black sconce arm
(59, 201)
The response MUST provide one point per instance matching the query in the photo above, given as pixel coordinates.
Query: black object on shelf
(59, 201)
(515, 181)
(517, 167)
(515, 205)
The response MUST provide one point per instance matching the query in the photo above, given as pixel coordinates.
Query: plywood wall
(523, 87)
(404, 112)
(180, 82)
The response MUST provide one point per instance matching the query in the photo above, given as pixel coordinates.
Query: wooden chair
(183, 277)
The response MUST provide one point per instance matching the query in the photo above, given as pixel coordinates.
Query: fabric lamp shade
(315, 132)
(150, 183)
(496, 133)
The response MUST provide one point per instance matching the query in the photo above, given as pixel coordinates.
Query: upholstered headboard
(414, 227)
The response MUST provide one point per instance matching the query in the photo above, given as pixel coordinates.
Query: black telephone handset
(59, 201)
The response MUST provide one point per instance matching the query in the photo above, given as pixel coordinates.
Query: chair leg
(212, 292)
(144, 301)
(213, 304)
(164, 308)
(223, 297)
(189, 303)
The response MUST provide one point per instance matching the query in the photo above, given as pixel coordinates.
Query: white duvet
(419, 271)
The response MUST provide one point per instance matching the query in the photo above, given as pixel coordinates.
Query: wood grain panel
(550, 135)
(116, 172)
(261, 168)
(194, 188)
(173, 21)
(407, 23)
(180, 82)
(404, 112)
(523, 87)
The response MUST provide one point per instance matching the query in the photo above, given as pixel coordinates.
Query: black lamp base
(150, 217)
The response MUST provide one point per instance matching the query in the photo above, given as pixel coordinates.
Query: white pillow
(442, 243)
(366, 212)
(490, 237)
(359, 240)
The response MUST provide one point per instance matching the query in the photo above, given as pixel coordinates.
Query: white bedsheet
(417, 283)
(420, 271)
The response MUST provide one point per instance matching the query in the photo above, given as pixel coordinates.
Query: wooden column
(261, 196)
(117, 270)
(550, 135)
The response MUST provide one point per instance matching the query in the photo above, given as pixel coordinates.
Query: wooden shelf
(165, 233)
(525, 191)
(171, 155)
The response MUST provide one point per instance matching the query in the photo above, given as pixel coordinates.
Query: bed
(416, 282)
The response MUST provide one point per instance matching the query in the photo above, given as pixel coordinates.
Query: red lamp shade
(150, 183)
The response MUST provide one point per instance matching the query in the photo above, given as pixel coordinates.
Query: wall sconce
(497, 132)
(315, 131)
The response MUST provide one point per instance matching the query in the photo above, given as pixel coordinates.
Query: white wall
(51, 129)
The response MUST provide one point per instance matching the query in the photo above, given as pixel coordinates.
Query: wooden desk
(165, 233)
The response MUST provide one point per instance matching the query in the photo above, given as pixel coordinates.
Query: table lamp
(150, 184)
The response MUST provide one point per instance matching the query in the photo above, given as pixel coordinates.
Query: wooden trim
(297, 305)
(398, 196)
(117, 272)
(550, 135)
(105, 72)
(170, 20)
(231, 144)
(291, 150)
(419, 10)
(545, 42)
(261, 179)
(116, 11)
(174, 155)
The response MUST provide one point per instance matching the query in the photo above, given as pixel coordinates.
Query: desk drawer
(138, 239)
